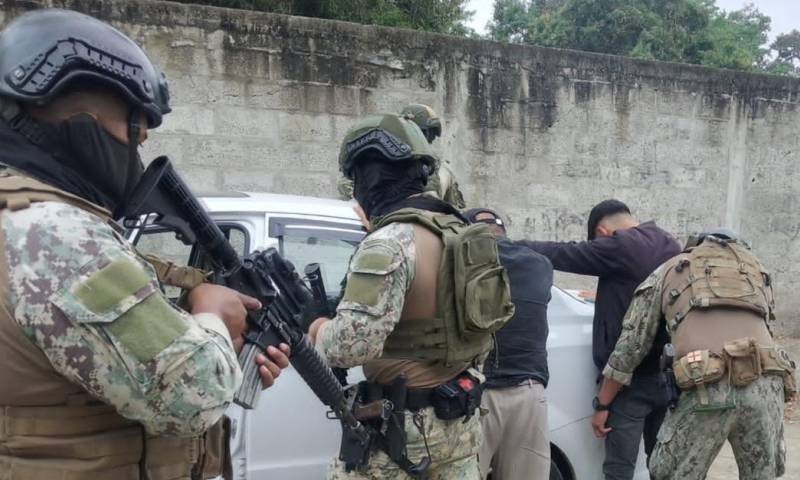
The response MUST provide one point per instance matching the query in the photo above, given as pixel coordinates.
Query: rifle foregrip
(309, 366)
(317, 374)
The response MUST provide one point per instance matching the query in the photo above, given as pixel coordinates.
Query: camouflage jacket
(639, 328)
(381, 273)
(83, 296)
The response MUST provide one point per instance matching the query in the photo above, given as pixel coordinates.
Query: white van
(288, 437)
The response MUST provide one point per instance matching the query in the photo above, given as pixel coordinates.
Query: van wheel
(555, 473)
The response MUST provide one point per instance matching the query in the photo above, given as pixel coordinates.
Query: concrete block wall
(261, 102)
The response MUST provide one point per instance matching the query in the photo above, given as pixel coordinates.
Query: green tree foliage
(786, 49)
(690, 31)
(443, 16)
(737, 39)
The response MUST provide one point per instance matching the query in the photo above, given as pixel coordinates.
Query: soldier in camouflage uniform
(391, 293)
(110, 380)
(441, 184)
(715, 300)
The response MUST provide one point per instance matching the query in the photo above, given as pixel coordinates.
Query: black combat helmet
(44, 51)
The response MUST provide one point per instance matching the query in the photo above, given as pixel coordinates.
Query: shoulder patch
(376, 258)
(370, 275)
(148, 327)
(104, 290)
(121, 297)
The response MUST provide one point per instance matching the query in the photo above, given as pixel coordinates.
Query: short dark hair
(602, 210)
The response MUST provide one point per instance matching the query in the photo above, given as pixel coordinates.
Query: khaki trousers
(515, 440)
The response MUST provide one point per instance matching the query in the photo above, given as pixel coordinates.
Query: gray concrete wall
(262, 100)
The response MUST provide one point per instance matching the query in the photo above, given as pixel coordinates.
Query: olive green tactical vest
(473, 299)
(50, 427)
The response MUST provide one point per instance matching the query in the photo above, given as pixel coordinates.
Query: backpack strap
(18, 192)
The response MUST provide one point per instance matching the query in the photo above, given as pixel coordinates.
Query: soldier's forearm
(341, 348)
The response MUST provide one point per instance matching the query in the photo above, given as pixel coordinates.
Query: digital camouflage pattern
(82, 295)
(441, 185)
(381, 272)
(453, 446)
(689, 440)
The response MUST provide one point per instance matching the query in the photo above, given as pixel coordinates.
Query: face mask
(378, 184)
(103, 160)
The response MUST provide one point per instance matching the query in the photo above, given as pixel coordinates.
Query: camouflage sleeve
(381, 272)
(450, 192)
(82, 295)
(639, 329)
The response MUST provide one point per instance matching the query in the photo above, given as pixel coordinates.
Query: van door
(288, 436)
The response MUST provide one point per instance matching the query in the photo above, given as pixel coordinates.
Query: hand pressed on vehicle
(599, 420)
(271, 364)
(229, 305)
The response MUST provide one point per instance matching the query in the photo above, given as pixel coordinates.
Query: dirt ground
(724, 467)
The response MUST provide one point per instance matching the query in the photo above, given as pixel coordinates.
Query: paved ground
(724, 467)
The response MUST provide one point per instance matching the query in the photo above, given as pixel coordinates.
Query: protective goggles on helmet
(490, 221)
(386, 144)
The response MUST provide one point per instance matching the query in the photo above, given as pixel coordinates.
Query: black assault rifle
(164, 197)
(313, 273)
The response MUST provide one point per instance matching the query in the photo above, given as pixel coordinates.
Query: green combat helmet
(395, 138)
(426, 118)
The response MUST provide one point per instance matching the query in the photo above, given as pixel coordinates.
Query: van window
(164, 244)
(332, 255)
(330, 244)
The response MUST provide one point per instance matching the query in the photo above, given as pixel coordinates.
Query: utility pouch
(775, 361)
(354, 449)
(459, 397)
(665, 363)
(354, 452)
(743, 361)
(700, 367)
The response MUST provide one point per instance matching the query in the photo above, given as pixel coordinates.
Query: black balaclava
(84, 159)
(379, 184)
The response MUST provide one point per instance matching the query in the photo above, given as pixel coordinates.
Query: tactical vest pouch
(743, 361)
(775, 361)
(473, 297)
(459, 397)
(700, 367)
(720, 274)
(482, 290)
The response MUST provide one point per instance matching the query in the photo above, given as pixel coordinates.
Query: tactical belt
(383, 408)
(416, 398)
